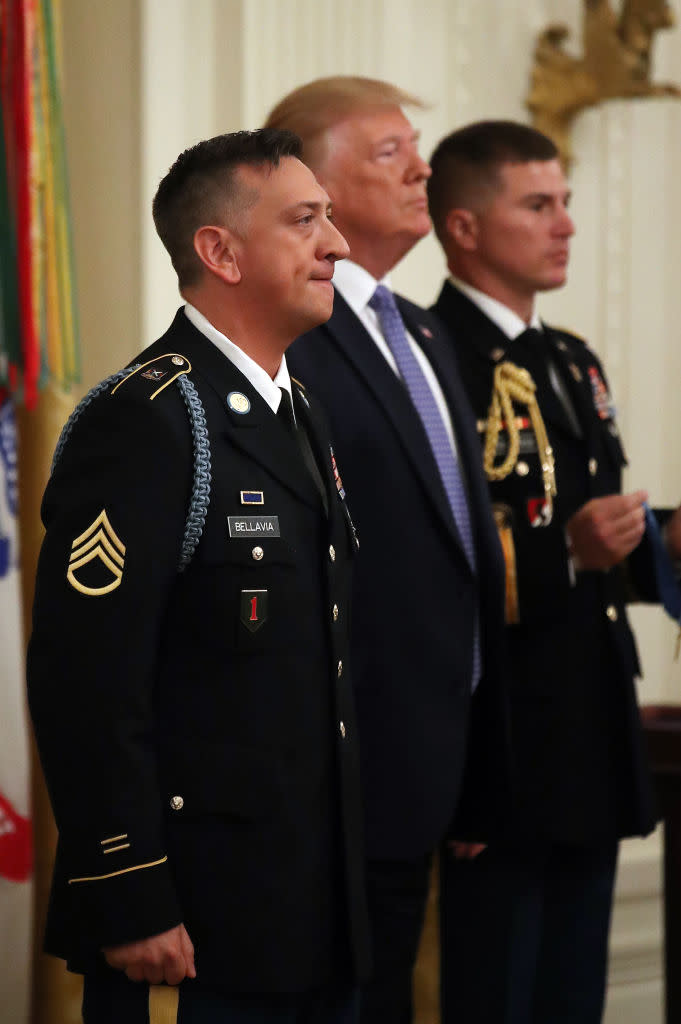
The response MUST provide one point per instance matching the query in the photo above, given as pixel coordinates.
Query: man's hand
(672, 535)
(166, 957)
(605, 530)
(465, 851)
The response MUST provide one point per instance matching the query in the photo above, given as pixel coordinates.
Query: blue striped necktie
(423, 399)
(383, 302)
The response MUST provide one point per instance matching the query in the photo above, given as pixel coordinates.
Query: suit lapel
(441, 356)
(394, 401)
(258, 432)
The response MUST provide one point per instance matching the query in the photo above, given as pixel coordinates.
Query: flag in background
(38, 346)
(15, 832)
(15, 829)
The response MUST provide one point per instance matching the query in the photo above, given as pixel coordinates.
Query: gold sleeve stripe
(112, 849)
(103, 543)
(164, 1001)
(95, 591)
(98, 552)
(186, 368)
(123, 871)
(114, 839)
(101, 520)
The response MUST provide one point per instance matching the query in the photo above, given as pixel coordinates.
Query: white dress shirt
(254, 373)
(506, 320)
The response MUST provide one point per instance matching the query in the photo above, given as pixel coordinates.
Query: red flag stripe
(16, 857)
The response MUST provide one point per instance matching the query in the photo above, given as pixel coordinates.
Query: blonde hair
(312, 109)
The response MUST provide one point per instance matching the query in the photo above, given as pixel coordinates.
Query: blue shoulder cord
(200, 497)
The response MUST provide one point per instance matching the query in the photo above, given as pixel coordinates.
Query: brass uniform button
(497, 354)
(335, 613)
(177, 803)
(238, 402)
(177, 361)
(521, 468)
(611, 612)
(257, 553)
(593, 466)
(332, 553)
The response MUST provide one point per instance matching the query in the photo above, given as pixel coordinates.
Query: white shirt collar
(356, 284)
(254, 373)
(506, 319)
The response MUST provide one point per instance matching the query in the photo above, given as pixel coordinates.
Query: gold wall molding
(616, 63)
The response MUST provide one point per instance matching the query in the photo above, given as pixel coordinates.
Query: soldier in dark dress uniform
(188, 671)
(536, 907)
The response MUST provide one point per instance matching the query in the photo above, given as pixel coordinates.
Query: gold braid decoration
(512, 383)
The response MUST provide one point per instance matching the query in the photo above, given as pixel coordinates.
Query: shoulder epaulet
(166, 368)
(570, 336)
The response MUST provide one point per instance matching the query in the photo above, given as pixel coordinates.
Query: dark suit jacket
(583, 773)
(415, 597)
(164, 688)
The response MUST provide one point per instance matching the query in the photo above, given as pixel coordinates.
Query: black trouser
(525, 934)
(397, 893)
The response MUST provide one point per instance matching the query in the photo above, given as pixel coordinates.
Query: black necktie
(532, 345)
(286, 414)
(552, 393)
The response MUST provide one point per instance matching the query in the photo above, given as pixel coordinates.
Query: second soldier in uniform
(533, 948)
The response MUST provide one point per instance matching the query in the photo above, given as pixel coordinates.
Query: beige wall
(145, 78)
(101, 87)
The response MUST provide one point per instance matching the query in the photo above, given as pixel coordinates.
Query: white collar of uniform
(356, 284)
(506, 319)
(252, 371)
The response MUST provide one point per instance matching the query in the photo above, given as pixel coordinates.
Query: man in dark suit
(428, 595)
(533, 950)
(189, 676)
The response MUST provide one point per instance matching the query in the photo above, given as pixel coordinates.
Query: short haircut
(201, 189)
(466, 164)
(311, 110)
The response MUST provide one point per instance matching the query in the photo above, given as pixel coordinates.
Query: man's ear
(215, 248)
(462, 228)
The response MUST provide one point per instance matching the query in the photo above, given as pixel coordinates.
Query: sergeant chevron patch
(103, 552)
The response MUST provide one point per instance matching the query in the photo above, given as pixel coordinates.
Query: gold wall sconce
(616, 63)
